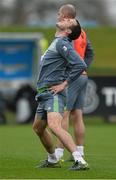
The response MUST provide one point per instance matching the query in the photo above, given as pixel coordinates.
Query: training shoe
(70, 159)
(47, 164)
(79, 166)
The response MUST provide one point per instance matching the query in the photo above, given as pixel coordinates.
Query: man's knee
(52, 125)
(38, 126)
(35, 128)
(54, 122)
(38, 130)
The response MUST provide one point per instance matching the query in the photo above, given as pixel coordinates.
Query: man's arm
(75, 64)
(89, 54)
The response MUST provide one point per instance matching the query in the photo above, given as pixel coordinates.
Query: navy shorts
(76, 93)
(48, 102)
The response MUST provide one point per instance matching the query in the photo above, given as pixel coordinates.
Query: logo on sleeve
(64, 48)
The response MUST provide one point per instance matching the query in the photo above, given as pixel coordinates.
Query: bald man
(77, 89)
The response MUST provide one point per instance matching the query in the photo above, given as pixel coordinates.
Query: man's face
(65, 24)
(60, 16)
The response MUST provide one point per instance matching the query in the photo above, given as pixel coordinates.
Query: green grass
(104, 44)
(103, 40)
(20, 151)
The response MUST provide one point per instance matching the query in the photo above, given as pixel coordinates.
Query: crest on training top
(64, 48)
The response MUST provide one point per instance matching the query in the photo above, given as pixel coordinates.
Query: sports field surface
(21, 151)
(103, 41)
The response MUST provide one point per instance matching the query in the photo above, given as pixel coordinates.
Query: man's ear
(69, 31)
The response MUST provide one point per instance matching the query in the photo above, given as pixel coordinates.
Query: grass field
(103, 41)
(20, 152)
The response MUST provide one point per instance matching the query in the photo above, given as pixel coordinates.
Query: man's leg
(79, 132)
(79, 129)
(39, 126)
(65, 125)
(59, 151)
(77, 106)
(54, 123)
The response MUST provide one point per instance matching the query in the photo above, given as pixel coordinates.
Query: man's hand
(58, 88)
